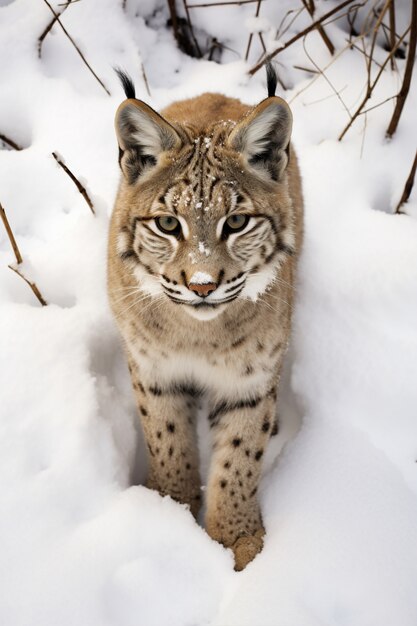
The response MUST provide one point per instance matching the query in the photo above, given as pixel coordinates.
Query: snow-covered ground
(81, 542)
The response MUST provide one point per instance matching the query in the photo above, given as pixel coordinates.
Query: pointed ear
(263, 137)
(142, 135)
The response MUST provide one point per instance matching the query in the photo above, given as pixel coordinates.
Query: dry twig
(145, 80)
(57, 19)
(367, 57)
(376, 106)
(290, 23)
(371, 86)
(304, 32)
(174, 19)
(405, 87)
(75, 180)
(331, 95)
(10, 235)
(327, 79)
(18, 256)
(33, 286)
(220, 4)
(408, 186)
(183, 30)
(333, 60)
(392, 29)
(190, 26)
(49, 28)
(309, 5)
(258, 8)
(373, 42)
(10, 142)
(310, 70)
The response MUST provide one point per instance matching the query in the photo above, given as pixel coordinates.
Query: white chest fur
(221, 375)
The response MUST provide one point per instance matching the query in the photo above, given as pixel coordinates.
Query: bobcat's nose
(202, 289)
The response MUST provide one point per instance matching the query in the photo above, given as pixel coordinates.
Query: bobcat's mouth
(202, 303)
(205, 305)
(201, 309)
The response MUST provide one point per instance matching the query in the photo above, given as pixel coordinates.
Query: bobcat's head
(206, 216)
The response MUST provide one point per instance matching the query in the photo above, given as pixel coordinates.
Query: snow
(257, 24)
(82, 541)
(203, 248)
(201, 278)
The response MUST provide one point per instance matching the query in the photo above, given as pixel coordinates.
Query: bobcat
(203, 244)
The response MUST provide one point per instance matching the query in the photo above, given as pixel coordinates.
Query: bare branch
(10, 142)
(318, 75)
(77, 48)
(31, 285)
(328, 81)
(220, 4)
(372, 86)
(331, 95)
(49, 28)
(392, 29)
(145, 80)
(290, 23)
(258, 7)
(309, 5)
(10, 235)
(405, 87)
(333, 60)
(310, 70)
(18, 256)
(174, 19)
(190, 26)
(304, 32)
(376, 106)
(408, 186)
(353, 45)
(261, 39)
(374, 36)
(75, 180)
(184, 37)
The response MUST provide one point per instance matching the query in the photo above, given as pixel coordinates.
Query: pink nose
(202, 290)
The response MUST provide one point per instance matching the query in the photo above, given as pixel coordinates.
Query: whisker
(136, 302)
(268, 305)
(156, 302)
(129, 295)
(281, 300)
(276, 310)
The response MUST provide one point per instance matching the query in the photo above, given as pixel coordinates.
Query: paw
(246, 548)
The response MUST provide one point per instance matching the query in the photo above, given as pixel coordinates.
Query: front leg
(241, 433)
(168, 421)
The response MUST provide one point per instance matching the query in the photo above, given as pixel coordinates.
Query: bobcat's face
(206, 220)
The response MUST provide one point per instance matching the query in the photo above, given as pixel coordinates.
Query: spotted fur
(205, 311)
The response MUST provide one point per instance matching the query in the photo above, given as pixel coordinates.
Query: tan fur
(233, 359)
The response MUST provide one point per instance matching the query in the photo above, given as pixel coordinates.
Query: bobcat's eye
(234, 224)
(168, 224)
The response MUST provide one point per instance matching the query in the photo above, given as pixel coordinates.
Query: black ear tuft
(271, 79)
(127, 83)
